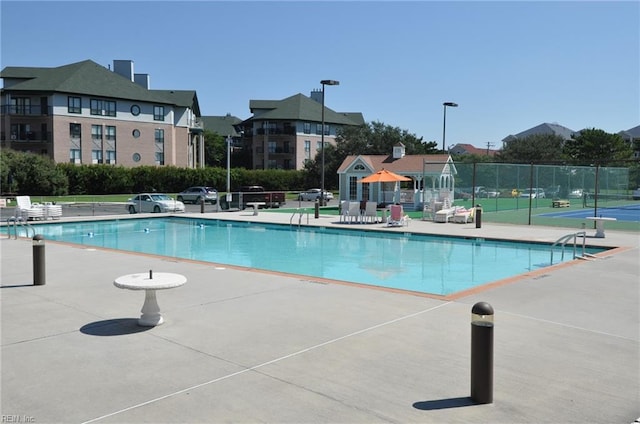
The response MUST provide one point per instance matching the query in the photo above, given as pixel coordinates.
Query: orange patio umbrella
(384, 176)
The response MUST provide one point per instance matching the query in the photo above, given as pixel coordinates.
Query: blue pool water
(406, 261)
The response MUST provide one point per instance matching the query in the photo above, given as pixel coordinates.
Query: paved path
(241, 347)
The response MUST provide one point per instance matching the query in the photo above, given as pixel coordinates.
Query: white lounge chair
(397, 218)
(463, 216)
(52, 211)
(27, 210)
(444, 215)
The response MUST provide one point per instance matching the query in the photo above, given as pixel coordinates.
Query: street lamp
(444, 123)
(323, 82)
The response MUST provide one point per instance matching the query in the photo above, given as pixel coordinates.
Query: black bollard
(478, 218)
(39, 275)
(317, 209)
(202, 205)
(482, 353)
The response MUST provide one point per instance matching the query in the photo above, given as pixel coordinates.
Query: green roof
(223, 125)
(92, 79)
(301, 108)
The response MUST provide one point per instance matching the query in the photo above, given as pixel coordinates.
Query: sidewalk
(244, 346)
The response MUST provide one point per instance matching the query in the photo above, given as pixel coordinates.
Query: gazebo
(431, 176)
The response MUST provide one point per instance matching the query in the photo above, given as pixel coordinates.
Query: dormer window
(398, 151)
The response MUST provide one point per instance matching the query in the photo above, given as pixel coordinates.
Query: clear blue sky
(510, 65)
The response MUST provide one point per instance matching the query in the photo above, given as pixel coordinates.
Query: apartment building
(282, 134)
(84, 113)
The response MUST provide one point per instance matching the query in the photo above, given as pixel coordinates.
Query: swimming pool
(406, 261)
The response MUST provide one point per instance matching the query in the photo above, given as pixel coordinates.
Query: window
(135, 110)
(159, 137)
(307, 128)
(135, 133)
(318, 129)
(74, 104)
(20, 106)
(75, 131)
(158, 113)
(103, 107)
(96, 132)
(136, 157)
(159, 158)
(326, 129)
(159, 140)
(110, 132)
(96, 156)
(111, 156)
(307, 149)
(74, 156)
(272, 147)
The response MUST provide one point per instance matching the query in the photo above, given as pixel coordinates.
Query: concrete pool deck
(241, 346)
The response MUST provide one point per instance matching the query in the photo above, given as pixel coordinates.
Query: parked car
(534, 193)
(493, 193)
(314, 194)
(636, 194)
(197, 194)
(153, 202)
(576, 193)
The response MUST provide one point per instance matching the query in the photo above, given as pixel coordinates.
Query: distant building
(552, 129)
(84, 113)
(283, 134)
(468, 149)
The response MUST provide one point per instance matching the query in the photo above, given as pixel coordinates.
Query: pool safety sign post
(482, 353)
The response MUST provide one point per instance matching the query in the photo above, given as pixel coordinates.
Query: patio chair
(27, 210)
(397, 218)
(353, 212)
(370, 212)
(344, 210)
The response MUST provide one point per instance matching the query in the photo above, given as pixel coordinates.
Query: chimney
(124, 68)
(142, 80)
(316, 95)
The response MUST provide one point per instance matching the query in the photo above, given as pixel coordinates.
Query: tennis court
(628, 212)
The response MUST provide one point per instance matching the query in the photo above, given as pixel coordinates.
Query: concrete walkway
(240, 346)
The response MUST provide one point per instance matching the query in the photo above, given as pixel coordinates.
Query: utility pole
(489, 145)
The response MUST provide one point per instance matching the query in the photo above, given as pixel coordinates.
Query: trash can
(478, 217)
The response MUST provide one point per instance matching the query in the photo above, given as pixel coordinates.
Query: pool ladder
(13, 223)
(300, 212)
(573, 239)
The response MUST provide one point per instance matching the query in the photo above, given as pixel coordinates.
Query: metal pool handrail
(15, 222)
(300, 212)
(565, 239)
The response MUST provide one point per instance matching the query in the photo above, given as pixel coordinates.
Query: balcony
(29, 136)
(35, 110)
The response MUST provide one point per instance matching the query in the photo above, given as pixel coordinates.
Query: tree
(215, 149)
(32, 174)
(595, 146)
(373, 138)
(536, 148)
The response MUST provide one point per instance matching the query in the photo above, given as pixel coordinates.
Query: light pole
(323, 82)
(444, 122)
